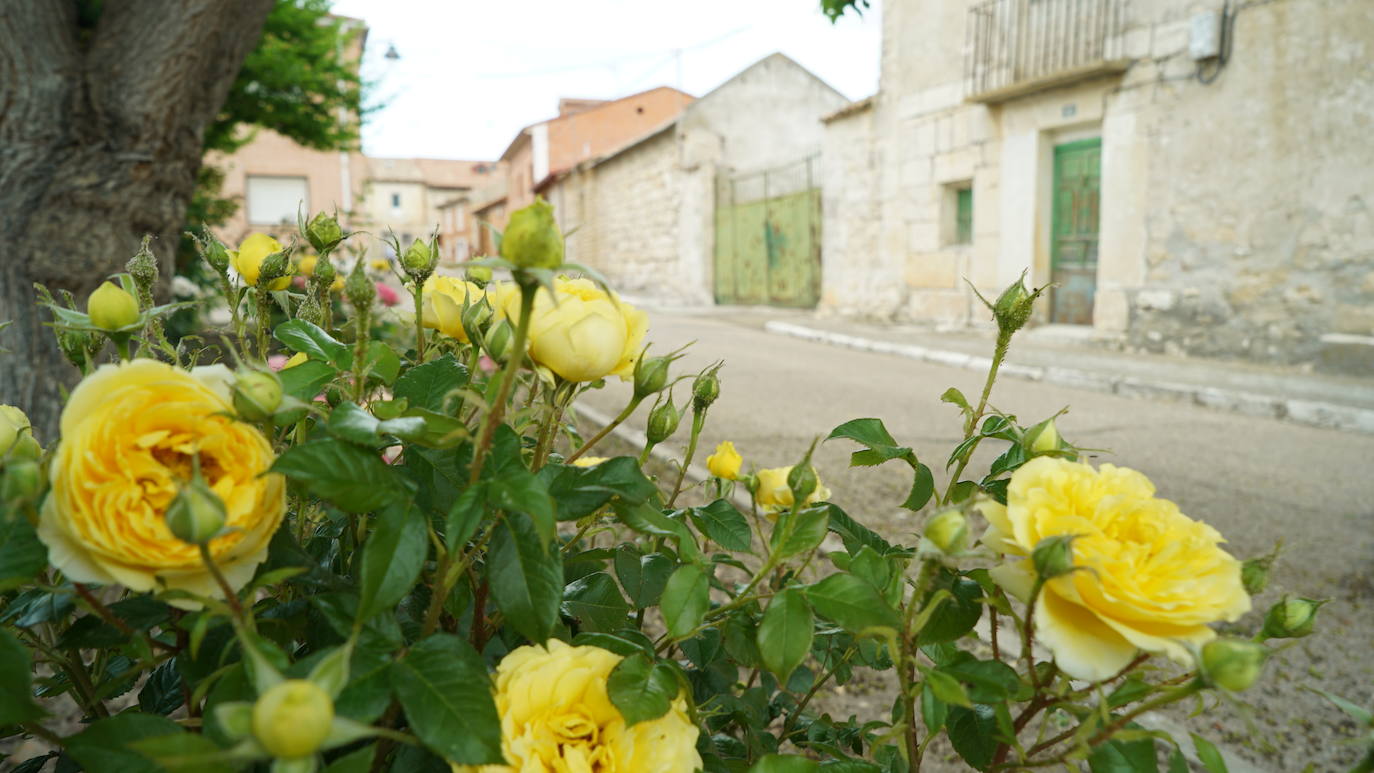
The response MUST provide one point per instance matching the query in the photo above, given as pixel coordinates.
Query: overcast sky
(471, 74)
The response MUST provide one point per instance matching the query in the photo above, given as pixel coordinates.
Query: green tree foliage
(834, 9)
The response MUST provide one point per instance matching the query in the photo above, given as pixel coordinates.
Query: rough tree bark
(100, 142)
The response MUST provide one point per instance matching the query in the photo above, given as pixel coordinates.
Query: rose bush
(375, 549)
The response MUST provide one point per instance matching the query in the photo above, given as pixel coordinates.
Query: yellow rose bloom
(249, 256)
(1157, 577)
(556, 716)
(587, 335)
(726, 461)
(379, 264)
(589, 461)
(443, 304)
(128, 435)
(306, 265)
(773, 494)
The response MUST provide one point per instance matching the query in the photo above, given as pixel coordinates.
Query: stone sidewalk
(1056, 356)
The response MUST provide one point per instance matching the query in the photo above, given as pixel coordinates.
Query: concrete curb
(1309, 412)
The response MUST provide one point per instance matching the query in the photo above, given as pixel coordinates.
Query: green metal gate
(768, 237)
(1073, 231)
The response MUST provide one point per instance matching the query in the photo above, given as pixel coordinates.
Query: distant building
(684, 211)
(406, 196)
(1193, 178)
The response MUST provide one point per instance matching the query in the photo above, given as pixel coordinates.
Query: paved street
(1257, 480)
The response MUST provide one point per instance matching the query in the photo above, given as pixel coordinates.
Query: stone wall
(1235, 215)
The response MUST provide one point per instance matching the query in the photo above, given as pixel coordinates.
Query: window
(395, 201)
(274, 200)
(963, 216)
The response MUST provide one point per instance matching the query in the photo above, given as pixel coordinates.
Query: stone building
(1193, 176)
(411, 197)
(647, 213)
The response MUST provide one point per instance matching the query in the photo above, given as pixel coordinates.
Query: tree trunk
(100, 142)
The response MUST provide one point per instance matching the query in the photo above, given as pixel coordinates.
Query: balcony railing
(1018, 46)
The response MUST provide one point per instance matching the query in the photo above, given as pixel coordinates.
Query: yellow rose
(249, 256)
(556, 716)
(589, 461)
(773, 494)
(726, 461)
(1157, 578)
(306, 266)
(379, 264)
(587, 335)
(443, 304)
(128, 435)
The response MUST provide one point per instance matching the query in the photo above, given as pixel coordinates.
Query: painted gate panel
(1073, 234)
(768, 238)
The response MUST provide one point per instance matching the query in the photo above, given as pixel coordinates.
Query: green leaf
(955, 397)
(161, 693)
(642, 689)
(382, 362)
(181, 752)
(956, 616)
(107, 743)
(784, 763)
(393, 555)
(934, 711)
(465, 516)
(852, 603)
(430, 385)
(368, 691)
(1208, 754)
(22, 555)
(808, 530)
(871, 433)
(359, 761)
(785, 633)
(647, 519)
(686, 598)
(1118, 756)
(973, 733)
(520, 491)
(445, 690)
(642, 576)
(922, 489)
(946, 688)
(596, 602)
(305, 381)
(526, 577)
(353, 479)
(350, 422)
(854, 534)
(1177, 762)
(16, 679)
(991, 680)
(581, 491)
(302, 336)
(723, 524)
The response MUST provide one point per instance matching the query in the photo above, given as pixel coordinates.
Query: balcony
(1017, 47)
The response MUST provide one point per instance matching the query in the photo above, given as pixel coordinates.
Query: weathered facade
(1193, 181)
(646, 212)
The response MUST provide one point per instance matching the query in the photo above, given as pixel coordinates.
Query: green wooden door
(1073, 231)
(768, 249)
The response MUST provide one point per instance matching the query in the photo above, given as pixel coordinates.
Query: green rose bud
(1291, 618)
(532, 238)
(22, 481)
(311, 311)
(143, 268)
(323, 233)
(274, 267)
(663, 421)
(323, 273)
(215, 254)
(74, 344)
(16, 435)
(498, 340)
(651, 375)
(479, 274)
(1254, 572)
(1053, 556)
(257, 395)
(475, 316)
(419, 259)
(1232, 664)
(112, 308)
(359, 288)
(197, 514)
(1013, 307)
(706, 388)
(802, 480)
(292, 719)
(1041, 439)
(948, 531)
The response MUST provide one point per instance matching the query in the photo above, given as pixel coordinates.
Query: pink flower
(277, 361)
(387, 295)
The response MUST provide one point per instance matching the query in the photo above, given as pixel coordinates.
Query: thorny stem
(360, 355)
(698, 421)
(264, 318)
(419, 322)
(230, 596)
(606, 430)
(906, 662)
(811, 693)
(515, 356)
(998, 355)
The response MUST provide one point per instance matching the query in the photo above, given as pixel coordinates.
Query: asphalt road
(1256, 480)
